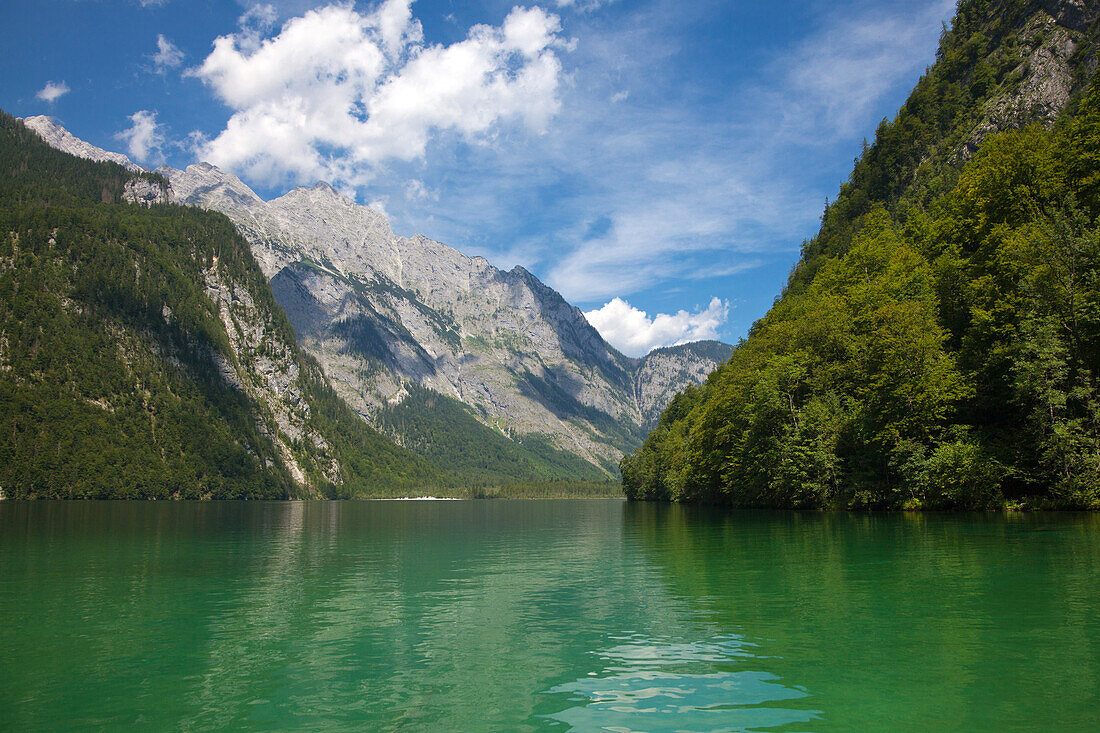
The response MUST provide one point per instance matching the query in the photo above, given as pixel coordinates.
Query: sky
(658, 162)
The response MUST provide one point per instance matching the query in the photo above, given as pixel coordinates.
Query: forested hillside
(142, 354)
(938, 344)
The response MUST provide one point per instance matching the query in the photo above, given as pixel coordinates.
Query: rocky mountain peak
(383, 313)
(203, 182)
(320, 194)
(326, 188)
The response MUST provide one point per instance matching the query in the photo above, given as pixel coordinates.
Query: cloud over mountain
(52, 91)
(337, 92)
(633, 332)
(145, 141)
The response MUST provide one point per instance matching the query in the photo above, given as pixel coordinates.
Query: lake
(544, 615)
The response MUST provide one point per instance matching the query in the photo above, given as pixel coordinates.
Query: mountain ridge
(380, 311)
(142, 354)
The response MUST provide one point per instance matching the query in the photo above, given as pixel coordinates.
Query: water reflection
(340, 616)
(661, 684)
(526, 616)
(901, 622)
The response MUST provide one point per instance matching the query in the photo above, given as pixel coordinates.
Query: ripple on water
(659, 684)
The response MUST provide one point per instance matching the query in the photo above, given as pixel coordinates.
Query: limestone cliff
(381, 311)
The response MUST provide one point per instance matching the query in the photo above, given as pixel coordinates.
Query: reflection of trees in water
(458, 615)
(414, 615)
(922, 620)
(109, 602)
(474, 615)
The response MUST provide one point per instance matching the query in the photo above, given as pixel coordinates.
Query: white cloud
(415, 190)
(52, 91)
(259, 18)
(145, 139)
(634, 333)
(337, 93)
(168, 56)
(698, 177)
(255, 23)
(150, 3)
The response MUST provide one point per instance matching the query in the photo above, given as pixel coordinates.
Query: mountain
(143, 355)
(938, 343)
(384, 314)
(664, 372)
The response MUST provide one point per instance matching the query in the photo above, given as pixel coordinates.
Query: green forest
(445, 431)
(110, 350)
(938, 343)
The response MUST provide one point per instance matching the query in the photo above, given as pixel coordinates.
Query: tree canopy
(938, 345)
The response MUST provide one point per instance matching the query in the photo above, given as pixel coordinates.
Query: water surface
(543, 615)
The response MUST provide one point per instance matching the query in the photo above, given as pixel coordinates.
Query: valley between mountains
(489, 376)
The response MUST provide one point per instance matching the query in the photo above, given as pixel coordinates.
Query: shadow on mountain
(556, 392)
(306, 315)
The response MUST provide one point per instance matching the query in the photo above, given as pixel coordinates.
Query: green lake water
(543, 615)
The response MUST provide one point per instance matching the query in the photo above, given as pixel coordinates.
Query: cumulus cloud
(168, 56)
(145, 139)
(633, 332)
(338, 92)
(53, 91)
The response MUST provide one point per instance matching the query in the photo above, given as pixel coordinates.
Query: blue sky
(659, 162)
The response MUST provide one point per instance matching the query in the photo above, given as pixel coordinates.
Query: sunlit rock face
(58, 137)
(1055, 32)
(381, 311)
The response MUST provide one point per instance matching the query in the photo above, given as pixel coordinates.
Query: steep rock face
(264, 366)
(380, 311)
(146, 192)
(119, 378)
(1055, 32)
(267, 369)
(664, 372)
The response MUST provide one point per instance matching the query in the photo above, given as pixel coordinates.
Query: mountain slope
(381, 311)
(938, 344)
(143, 355)
(663, 372)
(383, 314)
